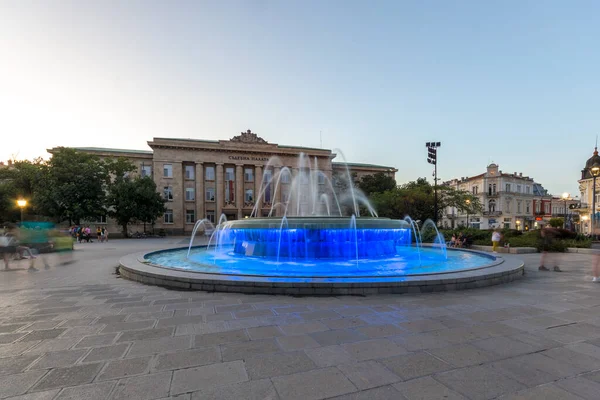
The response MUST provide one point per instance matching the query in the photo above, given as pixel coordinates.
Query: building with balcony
(209, 178)
(509, 200)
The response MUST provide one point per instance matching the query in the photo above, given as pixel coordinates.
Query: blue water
(405, 262)
(315, 243)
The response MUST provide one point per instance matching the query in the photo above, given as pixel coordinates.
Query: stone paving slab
(80, 332)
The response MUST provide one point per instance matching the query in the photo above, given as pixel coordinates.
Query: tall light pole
(432, 159)
(565, 197)
(22, 203)
(595, 170)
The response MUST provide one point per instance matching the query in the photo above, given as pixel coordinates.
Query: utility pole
(432, 159)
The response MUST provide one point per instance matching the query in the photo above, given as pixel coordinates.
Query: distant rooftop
(105, 149)
(363, 165)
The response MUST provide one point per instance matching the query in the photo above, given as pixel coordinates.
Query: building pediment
(248, 137)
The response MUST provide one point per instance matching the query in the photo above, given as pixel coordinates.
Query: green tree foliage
(18, 181)
(556, 222)
(134, 200)
(376, 183)
(71, 186)
(416, 199)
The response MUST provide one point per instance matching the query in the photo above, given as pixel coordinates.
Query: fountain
(318, 242)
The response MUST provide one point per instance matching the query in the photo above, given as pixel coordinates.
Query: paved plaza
(79, 331)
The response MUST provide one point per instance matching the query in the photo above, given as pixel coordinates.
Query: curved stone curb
(507, 270)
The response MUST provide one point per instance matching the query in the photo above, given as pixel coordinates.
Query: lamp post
(468, 202)
(595, 170)
(565, 197)
(22, 203)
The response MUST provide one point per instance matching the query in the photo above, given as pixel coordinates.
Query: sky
(510, 82)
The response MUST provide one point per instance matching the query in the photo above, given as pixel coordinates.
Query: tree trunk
(124, 230)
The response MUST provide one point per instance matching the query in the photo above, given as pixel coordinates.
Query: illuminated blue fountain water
(313, 238)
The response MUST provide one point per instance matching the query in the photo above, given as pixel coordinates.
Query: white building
(586, 190)
(508, 200)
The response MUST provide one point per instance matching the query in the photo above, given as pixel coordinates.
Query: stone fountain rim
(507, 268)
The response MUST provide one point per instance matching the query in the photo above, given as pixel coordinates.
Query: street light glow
(22, 203)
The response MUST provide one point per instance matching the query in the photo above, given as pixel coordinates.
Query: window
(267, 186)
(492, 205)
(210, 215)
(527, 189)
(475, 189)
(190, 216)
(285, 194)
(507, 206)
(518, 206)
(518, 188)
(494, 188)
(537, 207)
(248, 175)
(168, 193)
(286, 177)
(547, 208)
(190, 194)
(249, 196)
(168, 216)
(508, 187)
(229, 185)
(506, 223)
(209, 173)
(321, 178)
(190, 172)
(168, 170)
(304, 176)
(527, 207)
(101, 219)
(210, 194)
(145, 170)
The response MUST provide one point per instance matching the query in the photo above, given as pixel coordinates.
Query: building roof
(363, 165)
(109, 150)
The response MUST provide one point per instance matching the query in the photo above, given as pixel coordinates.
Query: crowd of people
(31, 240)
(84, 233)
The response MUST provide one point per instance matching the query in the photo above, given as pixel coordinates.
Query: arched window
(492, 205)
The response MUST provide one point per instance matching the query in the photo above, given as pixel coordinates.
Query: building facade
(586, 190)
(509, 200)
(236, 178)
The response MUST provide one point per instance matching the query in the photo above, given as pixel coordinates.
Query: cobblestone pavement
(80, 332)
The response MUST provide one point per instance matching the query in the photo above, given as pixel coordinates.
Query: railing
(492, 213)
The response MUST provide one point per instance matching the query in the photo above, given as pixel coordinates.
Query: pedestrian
(496, 237)
(596, 268)
(98, 233)
(548, 234)
(102, 234)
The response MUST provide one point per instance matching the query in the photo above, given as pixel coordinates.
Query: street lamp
(595, 170)
(468, 202)
(22, 203)
(518, 222)
(565, 197)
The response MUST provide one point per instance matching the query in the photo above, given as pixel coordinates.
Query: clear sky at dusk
(514, 82)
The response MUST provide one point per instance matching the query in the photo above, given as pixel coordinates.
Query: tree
(376, 183)
(132, 200)
(556, 222)
(71, 186)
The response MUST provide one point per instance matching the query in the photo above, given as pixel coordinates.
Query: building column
(219, 191)
(277, 195)
(239, 189)
(200, 196)
(258, 176)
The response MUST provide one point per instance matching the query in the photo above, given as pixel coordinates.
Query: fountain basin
(496, 270)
